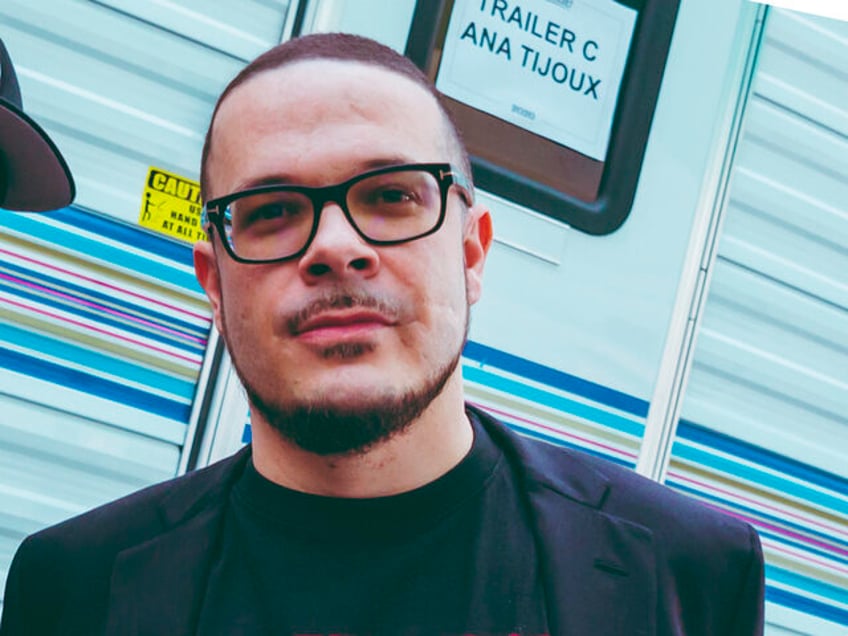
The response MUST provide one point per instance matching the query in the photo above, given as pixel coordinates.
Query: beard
(326, 426)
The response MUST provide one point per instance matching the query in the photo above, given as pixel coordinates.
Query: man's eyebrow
(276, 179)
(287, 179)
(384, 162)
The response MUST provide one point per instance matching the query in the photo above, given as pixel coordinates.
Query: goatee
(326, 428)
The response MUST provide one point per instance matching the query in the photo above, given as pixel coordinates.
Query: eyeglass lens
(385, 207)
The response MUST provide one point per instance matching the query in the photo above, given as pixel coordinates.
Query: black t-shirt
(454, 557)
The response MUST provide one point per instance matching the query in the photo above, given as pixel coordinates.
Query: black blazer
(621, 555)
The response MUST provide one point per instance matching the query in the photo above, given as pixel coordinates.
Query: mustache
(391, 308)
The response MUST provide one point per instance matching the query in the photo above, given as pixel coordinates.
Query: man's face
(348, 328)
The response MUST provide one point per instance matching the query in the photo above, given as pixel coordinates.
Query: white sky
(827, 8)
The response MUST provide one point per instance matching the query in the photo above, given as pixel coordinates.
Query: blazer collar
(599, 570)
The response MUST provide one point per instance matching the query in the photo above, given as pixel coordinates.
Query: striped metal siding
(103, 327)
(102, 333)
(764, 430)
(107, 310)
(554, 406)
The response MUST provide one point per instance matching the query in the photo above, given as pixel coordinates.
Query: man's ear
(206, 270)
(477, 239)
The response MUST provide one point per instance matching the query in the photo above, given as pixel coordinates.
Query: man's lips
(338, 324)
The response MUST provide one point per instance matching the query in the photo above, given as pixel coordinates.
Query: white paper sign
(552, 67)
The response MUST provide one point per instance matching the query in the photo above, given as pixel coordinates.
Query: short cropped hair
(343, 47)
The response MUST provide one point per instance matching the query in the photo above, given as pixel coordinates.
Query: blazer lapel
(599, 570)
(157, 587)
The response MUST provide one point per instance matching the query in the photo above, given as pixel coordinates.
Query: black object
(34, 176)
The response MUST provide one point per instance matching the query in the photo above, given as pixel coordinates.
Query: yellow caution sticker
(171, 205)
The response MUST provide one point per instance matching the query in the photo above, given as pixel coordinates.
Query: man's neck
(432, 445)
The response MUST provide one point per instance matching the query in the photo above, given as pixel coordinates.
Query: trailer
(694, 330)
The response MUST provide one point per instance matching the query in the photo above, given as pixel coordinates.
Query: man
(345, 251)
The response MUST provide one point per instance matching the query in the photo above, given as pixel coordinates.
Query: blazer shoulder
(665, 511)
(619, 491)
(145, 513)
(58, 581)
(708, 564)
(703, 553)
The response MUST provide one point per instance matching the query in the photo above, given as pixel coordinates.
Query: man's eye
(395, 195)
(272, 211)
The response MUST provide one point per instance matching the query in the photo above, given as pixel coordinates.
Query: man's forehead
(351, 80)
(310, 101)
(309, 96)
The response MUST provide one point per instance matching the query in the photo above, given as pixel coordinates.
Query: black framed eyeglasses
(386, 206)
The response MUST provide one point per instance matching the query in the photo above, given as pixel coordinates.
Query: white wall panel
(55, 464)
(777, 315)
(803, 59)
(764, 428)
(242, 28)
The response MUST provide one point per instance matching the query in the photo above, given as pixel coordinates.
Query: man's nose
(337, 249)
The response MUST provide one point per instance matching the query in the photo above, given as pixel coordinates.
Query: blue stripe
(559, 402)
(760, 477)
(94, 385)
(90, 295)
(807, 605)
(95, 249)
(806, 547)
(756, 515)
(557, 441)
(556, 378)
(105, 319)
(125, 233)
(702, 435)
(118, 367)
(813, 586)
